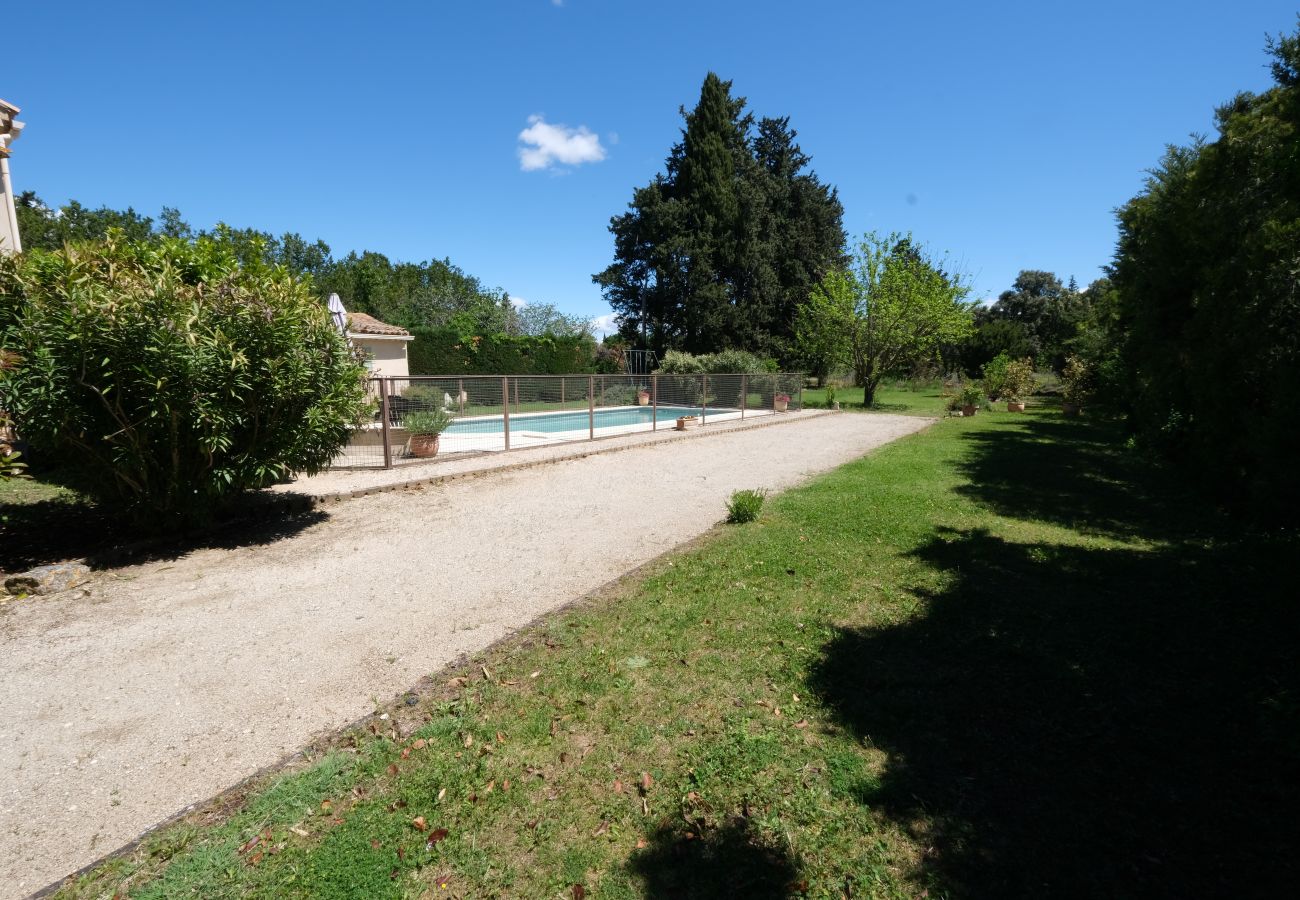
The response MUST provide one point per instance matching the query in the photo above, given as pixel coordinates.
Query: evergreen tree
(719, 251)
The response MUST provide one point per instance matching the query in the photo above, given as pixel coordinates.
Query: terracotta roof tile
(360, 323)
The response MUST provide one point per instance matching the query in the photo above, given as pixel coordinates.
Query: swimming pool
(574, 420)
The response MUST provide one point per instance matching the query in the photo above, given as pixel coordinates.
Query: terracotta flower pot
(969, 410)
(684, 422)
(1015, 406)
(643, 398)
(424, 446)
(780, 405)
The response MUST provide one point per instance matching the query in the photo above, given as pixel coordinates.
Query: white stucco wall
(387, 355)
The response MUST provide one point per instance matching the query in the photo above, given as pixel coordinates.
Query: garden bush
(446, 351)
(167, 377)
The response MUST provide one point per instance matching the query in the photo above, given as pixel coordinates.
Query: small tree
(892, 310)
(168, 376)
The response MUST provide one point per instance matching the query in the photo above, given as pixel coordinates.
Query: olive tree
(892, 308)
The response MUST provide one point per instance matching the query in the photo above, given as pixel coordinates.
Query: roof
(360, 323)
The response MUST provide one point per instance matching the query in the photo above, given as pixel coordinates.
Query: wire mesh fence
(421, 418)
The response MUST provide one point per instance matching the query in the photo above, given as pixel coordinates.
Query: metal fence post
(562, 380)
(591, 405)
(383, 417)
(744, 394)
(505, 407)
(704, 388)
(801, 380)
(654, 402)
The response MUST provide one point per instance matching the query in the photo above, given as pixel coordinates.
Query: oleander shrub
(167, 377)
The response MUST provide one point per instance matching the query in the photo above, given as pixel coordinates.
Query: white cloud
(518, 302)
(604, 325)
(544, 146)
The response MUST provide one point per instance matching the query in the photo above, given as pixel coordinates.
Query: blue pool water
(575, 420)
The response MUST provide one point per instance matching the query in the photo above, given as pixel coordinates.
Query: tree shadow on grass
(49, 531)
(1070, 473)
(723, 862)
(1071, 720)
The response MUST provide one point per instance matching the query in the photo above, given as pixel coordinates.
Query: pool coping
(319, 489)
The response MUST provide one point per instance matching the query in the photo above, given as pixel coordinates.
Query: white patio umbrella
(339, 314)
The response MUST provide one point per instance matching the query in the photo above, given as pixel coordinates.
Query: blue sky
(1004, 133)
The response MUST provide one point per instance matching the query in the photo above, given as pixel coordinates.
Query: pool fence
(498, 413)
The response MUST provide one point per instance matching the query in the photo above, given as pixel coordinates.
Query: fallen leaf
(491, 786)
(468, 740)
(442, 793)
(532, 826)
(802, 723)
(401, 854)
(252, 842)
(602, 828)
(434, 836)
(406, 752)
(794, 698)
(420, 744)
(392, 876)
(418, 823)
(301, 832)
(776, 711)
(486, 673)
(535, 674)
(618, 786)
(392, 768)
(505, 784)
(553, 724)
(325, 807)
(640, 843)
(501, 738)
(255, 858)
(646, 781)
(579, 892)
(374, 844)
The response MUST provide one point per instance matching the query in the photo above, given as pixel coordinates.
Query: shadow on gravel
(721, 863)
(1087, 722)
(34, 534)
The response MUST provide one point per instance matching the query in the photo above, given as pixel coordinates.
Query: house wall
(388, 357)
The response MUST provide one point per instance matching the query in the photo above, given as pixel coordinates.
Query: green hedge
(441, 351)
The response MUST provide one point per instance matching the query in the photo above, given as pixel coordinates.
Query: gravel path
(171, 681)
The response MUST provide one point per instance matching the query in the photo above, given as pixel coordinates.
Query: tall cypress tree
(719, 251)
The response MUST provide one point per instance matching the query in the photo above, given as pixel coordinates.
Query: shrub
(1076, 381)
(744, 506)
(167, 378)
(1017, 380)
(446, 351)
(994, 375)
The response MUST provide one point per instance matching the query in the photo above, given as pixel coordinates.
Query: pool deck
(341, 483)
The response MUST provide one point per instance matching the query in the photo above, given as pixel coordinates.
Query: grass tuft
(744, 506)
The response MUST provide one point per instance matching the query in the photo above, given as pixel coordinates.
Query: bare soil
(165, 682)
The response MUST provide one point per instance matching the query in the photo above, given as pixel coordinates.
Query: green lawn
(920, 399)
(998, 658)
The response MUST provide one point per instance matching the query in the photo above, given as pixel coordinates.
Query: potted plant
(423, 428)
(1017, 383)
(642, 397)
(1076, 385)
(781, 402)
(969, 398)
(684, 422)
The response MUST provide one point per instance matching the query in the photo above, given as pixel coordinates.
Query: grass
(998, 658)
(907, 398)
